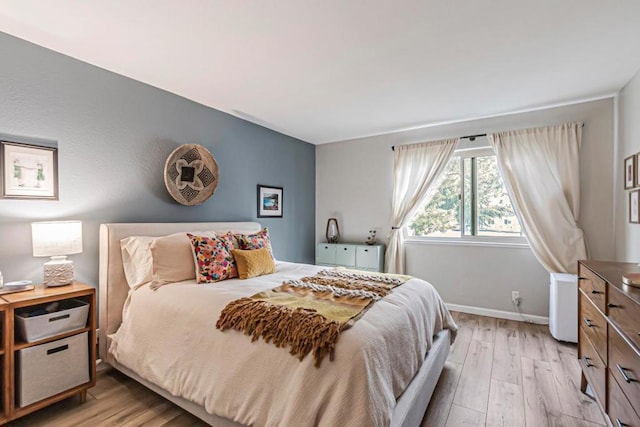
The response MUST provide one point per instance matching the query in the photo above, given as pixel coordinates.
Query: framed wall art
(28, 171)
(634, 212)
(629, 172)
(269, 201)
(637, 165)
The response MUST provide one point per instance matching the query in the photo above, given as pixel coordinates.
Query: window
(470, 202)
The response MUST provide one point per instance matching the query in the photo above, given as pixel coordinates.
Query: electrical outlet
(515, 297)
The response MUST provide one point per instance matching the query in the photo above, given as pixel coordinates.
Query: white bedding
(168, 337)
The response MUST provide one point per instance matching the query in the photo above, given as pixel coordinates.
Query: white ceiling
(331, 70)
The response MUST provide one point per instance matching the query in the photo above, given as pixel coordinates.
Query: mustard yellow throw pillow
(253, 263)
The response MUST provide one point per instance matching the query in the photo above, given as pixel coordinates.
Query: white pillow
(136, 260)
(173, 259)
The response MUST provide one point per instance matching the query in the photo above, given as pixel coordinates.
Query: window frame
(464, 150)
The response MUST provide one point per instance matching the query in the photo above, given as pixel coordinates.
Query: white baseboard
(509, 315)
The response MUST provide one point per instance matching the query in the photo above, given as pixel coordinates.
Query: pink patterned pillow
(213, 258)
(255, 241)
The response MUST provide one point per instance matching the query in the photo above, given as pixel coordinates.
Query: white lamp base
(58, 271)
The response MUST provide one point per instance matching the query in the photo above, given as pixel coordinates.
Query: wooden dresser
(609, 339)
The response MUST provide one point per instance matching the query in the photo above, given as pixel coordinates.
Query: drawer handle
(587, 361)
(610, 305)
(366, 250)
(588, 323)
(595, 292)
(582, 278)
(64, 316)
(623, 372)
(345, 249)
(619, 423)
(58, 349)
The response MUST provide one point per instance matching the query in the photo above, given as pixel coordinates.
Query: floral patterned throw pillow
(258, 240)
(213, 258)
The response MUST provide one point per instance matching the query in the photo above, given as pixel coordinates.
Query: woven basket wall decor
(191, 174)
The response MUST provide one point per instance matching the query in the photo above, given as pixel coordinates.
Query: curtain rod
(470, 137)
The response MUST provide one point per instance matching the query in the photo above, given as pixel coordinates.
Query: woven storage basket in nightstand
(47, 369)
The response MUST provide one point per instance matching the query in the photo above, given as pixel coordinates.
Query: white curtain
(540, 168)
(415, 168)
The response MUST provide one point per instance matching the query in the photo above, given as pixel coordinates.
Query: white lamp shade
(56, 238)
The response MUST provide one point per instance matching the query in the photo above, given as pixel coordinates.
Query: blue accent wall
(114, 135)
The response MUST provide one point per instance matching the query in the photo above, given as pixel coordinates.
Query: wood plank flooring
(499, 373)
(506, 373)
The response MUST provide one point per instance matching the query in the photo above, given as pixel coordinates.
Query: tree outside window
(470, 189)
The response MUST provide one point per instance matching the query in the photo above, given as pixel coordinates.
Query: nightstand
(5, 368)
(40, 368)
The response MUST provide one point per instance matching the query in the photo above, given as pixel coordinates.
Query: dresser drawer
(326, 253)
(593, 286)
(624, 364)
(620, 411)
(346, 255)
(594, 325)
(592, 366)
(625, 313)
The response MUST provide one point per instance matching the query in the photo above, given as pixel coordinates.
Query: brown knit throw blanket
(308, 314)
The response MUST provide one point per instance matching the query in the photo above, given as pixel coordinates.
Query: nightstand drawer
(593, 286)
(346, 255)
(594, 325)
(47, 369)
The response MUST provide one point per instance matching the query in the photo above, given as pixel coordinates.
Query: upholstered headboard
(113, 287)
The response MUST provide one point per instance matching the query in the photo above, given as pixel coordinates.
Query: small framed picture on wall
(637, 165)
(28, 171)
(269, 201)
(634, 212)
(630, 172)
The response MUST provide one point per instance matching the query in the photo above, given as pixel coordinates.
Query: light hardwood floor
(507, 373)
(499, 373)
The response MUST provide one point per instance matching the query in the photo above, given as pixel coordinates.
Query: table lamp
(57, 239)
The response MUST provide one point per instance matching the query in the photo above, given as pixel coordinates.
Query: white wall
(354, 184)
(627, 235)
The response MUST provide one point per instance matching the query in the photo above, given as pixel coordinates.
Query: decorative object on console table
(634, 211)
(371, 240)
(29, 171)
(270, 201)
(608, 341)
(191, 174)
(332, 232)
(630, 172)
(60, 363)
(57, 239)
(349, 255)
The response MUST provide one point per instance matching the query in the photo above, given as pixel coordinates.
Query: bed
(227, 380)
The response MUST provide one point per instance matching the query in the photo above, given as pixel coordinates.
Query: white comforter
(168, 337)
